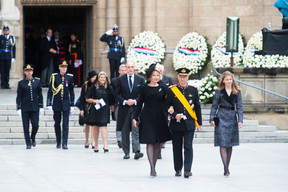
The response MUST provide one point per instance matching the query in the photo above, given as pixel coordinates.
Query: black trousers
(5, 66)
(114, 67)
(178, 139)
(28, 116)
(65, 125)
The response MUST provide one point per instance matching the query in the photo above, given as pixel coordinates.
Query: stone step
(263, 134)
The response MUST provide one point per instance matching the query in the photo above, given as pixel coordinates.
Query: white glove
(19, 112)
(41, 111)
(49, 108)
(109, 32)
(122, 59)
(12, 60)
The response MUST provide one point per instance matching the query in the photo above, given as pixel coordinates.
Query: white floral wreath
(191, 52)
(207, 88)
(261, 61)
(221, 58)
(145, 49)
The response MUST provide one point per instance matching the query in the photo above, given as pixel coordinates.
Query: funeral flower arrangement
(207, 88)
(191, 52)
(221, 58)
(146, 48)
(261, 61)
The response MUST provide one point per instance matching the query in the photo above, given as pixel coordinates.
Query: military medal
(66, 83)
(160, 89)
(29, 84)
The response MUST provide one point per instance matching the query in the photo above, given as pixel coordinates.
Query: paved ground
(254, 167)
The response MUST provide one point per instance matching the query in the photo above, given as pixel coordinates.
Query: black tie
(130, 82)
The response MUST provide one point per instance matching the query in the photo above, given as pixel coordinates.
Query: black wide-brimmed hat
(91, 74)
(28, 67)
(150, 70)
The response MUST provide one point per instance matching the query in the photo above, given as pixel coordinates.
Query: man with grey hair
(165, 79)
(114, 84)
(127, 94)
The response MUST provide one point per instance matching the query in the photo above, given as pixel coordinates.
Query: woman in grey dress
(226, 135)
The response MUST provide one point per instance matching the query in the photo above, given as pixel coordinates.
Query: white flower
(207, 88)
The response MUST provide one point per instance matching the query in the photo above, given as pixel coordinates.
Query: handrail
(253, 86)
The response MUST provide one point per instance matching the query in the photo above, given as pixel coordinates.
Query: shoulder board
(172, 86)
(70, 74)
(20, 80)
(77, 40)
(192, 86)
(37, 78)
(54, 73)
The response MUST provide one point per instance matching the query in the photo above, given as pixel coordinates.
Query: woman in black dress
(101, 99)
(92, 76)
(153, 125)
(227, 97)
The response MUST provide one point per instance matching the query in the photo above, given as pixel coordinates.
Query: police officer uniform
(116, 52)
(29, 100)
(184, 129)
(7, 52)
(61, 89)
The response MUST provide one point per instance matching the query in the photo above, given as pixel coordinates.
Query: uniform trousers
(28, 116)
(178, 139)
(127, 127)
(65, 125)
(114, 67)
(46, 73)
(5, 66)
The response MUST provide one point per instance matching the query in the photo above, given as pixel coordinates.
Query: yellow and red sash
(185, 103)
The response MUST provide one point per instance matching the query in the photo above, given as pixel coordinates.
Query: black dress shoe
(28, 147)
(178, 173)
(105, 150)
(187, 174)
(138, 155)
(64, 146)
(33, 143)
(58, 146)
(126, 156)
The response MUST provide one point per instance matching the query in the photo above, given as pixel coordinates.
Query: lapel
(135, 83)
(230, 99)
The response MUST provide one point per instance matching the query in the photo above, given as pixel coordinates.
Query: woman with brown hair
(101, 99)
(227, 117)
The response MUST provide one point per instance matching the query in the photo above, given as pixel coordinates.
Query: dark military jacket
(191, 94)
(116, 47)
(29, 95)
(75, 50)
(7, 47)
(62, 92)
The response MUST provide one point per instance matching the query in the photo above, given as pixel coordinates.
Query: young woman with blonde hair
(227, 117)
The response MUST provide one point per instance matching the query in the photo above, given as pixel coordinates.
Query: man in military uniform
(7, 56)
(186, 116)
(29, 100)
(116, 53)
(61, 88)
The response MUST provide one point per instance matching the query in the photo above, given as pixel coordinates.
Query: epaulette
(77, 40)
(54, 73)
(70, 74)
(172, 86)
(192, 86)
(37, 78)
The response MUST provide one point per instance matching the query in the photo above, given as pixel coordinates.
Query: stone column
(150, 15)
(136, 17)
(111, 13)
(124, 14)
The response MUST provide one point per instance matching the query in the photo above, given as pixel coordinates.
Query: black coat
(122, 93)
(29, 98)
(167, 80)
(191, 94)
(61, 101)
(116, 47)
(46, 56)
(85, 87)
(7, 47)
(153, 118)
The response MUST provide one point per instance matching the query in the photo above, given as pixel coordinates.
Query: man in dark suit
(7, 56)
(114, 84)
(165, 79)
(186, 116)
(29, 99)
(127, 95)
(48, 50)
(116, 54)
(61, 88)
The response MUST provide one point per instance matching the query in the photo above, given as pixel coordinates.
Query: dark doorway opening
(66, 20)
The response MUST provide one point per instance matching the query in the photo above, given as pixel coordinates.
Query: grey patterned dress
(226, 132)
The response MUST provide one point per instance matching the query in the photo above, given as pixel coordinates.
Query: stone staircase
(11, 131)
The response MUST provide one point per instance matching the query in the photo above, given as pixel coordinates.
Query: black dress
(101, 116)
(153, 127)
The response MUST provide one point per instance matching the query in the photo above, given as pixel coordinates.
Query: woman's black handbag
(81, 120)
(216, 120)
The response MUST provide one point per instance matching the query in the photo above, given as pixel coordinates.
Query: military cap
(115, 28)
(56, 33)
(5, 28)
(183, 71)
(28, 67)
(62, 63)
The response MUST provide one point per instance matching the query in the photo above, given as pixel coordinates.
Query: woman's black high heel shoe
(105, 150)
(153, 174)
(226, 172)
(86, 146)
(96, 150)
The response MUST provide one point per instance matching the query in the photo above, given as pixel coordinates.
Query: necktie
(130, 83)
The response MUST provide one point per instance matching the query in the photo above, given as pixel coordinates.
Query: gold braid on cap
(55, 90)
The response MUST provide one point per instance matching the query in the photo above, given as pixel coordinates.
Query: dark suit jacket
(45, 46)
(122, 93)
(61, 102)
(167, 80)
